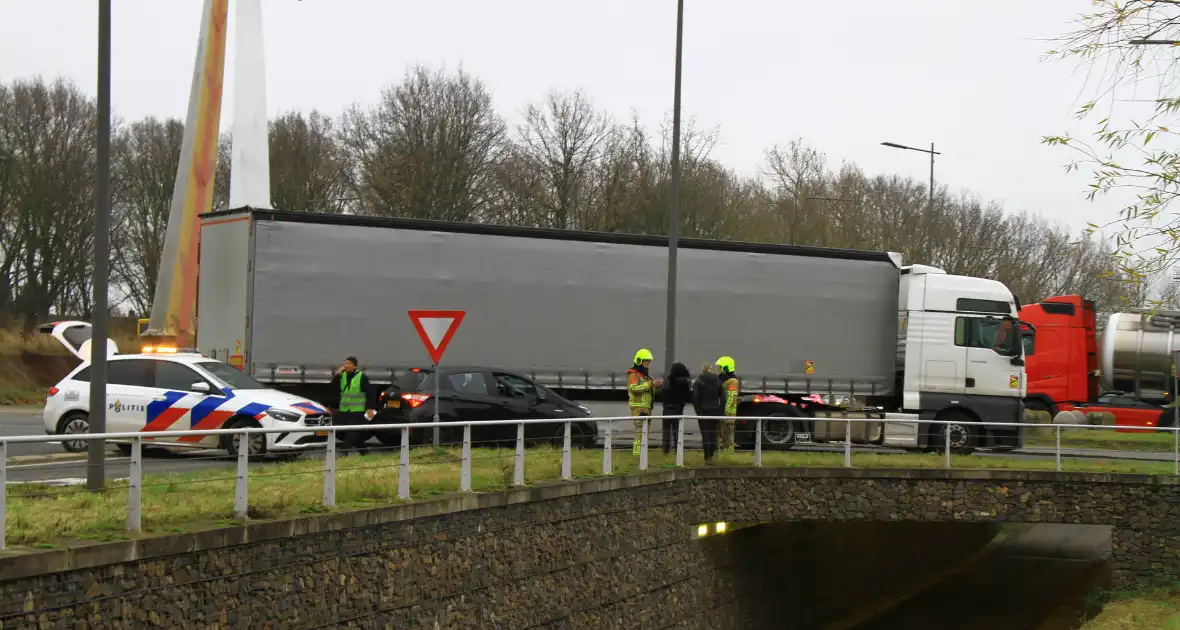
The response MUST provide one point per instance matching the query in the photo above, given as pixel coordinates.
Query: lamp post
(932, 153)
(96, 449)
(674, 211)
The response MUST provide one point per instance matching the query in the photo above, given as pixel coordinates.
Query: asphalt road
(27, 462)
(16, 421)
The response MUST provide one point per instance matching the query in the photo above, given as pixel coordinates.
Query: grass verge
(43, 515)
(1155, 607)
(21, 396)
(1107, 439)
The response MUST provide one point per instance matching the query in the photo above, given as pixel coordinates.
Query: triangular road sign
(436, 328)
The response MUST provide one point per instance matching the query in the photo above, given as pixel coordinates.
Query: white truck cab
(960, 353)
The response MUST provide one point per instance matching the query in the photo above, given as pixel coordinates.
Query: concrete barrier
(1065, 417)
(1039, 424)
(1100, 418)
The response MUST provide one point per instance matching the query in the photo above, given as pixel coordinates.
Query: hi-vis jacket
(640, 390)
(733, 388)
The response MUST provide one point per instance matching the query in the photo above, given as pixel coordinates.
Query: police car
(163, 389)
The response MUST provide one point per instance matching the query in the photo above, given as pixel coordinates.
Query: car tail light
(53, 391)
(415, 400)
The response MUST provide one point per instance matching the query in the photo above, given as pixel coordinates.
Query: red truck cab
(1061, 362)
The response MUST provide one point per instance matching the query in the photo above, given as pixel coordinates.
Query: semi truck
(1126, 370)
(286, 295)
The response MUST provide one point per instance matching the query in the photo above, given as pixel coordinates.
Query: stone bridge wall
(602, 553)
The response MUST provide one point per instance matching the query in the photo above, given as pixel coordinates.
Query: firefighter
(733, 387)
(356, 405)
(640, 394)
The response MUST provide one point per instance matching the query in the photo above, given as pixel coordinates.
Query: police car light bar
(168, 350)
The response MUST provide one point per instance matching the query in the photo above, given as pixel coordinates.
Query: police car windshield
(233, 377)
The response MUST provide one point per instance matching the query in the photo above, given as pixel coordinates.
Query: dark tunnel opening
(866, 575)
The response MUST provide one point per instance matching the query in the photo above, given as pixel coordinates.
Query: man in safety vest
(640, 395)
(733, 388)
(356, 405)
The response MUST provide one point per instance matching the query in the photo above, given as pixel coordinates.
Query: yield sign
(436, 328)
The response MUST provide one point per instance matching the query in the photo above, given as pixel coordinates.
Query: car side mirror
(1017, 361)
(541, 396)
(200, 387)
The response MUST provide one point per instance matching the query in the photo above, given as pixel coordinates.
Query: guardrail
(242, 435)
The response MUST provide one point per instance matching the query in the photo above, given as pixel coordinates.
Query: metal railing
(135, 480)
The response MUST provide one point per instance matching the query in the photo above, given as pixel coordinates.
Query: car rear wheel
(389, 438)
(76, 423)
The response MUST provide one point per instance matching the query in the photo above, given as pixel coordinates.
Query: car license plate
(803, 438)
(321, 434)
(393, 404)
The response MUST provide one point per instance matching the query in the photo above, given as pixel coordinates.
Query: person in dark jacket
(356, 405)
(677, 393)
(708, 400)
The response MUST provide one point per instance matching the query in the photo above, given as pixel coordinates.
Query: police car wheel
(256, 442)
(74, 424)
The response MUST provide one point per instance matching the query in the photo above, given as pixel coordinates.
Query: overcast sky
(968, 76)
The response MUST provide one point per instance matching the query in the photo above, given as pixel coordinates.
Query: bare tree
(429, 149)
(308, 170)
(796, 173)
(563, 139)
(49, 131)
(144, 159)
(221, 171)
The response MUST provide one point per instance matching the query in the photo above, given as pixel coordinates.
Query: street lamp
(674, 211)
(932, 153)
(96, 449)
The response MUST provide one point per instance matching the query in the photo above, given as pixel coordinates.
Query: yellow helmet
(725, 363)
(644, 355)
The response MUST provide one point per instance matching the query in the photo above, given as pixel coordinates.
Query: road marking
(64, 481)
(112, 460)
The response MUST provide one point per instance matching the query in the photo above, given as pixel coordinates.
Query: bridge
(618, 551)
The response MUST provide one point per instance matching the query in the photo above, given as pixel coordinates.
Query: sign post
(436, 329)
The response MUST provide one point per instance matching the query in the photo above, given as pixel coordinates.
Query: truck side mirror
(1017, 361)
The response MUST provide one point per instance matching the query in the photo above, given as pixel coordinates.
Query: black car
(476, 393)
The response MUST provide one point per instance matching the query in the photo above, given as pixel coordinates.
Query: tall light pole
(932, 153)
(96, 449)
(674, 211)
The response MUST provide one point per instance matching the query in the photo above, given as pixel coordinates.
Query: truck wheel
(964, 436)
(778, 434)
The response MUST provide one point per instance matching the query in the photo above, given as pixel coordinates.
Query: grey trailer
(288, 295)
